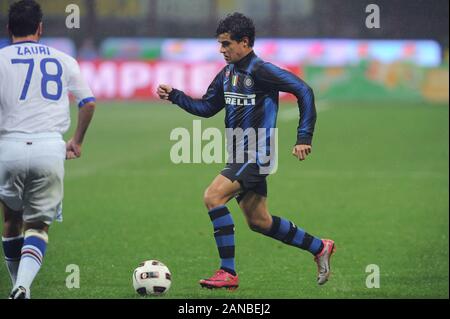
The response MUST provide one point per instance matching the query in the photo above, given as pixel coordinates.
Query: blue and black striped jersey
(248, 90)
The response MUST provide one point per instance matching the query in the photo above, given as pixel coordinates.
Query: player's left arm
(276, 78)
(85, 114)
(86, 105)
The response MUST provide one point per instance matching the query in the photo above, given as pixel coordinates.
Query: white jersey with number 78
(35, 82)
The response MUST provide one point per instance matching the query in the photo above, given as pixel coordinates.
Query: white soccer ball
(152, 277)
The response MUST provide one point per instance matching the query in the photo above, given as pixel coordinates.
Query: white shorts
(32, 174)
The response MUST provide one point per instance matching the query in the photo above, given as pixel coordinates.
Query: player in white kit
(35, 81)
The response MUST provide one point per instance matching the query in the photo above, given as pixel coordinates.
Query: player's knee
(212, 199)
(259, 225)
(39, 227)
(254, 226)
(12, 228)
(40, 233)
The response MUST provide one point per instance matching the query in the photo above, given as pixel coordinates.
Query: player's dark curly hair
(24, 18)
(238, 26)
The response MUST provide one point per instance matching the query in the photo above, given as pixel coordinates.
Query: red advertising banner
(139, 79)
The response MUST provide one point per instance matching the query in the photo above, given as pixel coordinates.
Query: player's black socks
(287, 232)
(224, 236)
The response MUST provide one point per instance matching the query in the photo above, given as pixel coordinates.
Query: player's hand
(73, 150)
(163, 91)
(301, 151)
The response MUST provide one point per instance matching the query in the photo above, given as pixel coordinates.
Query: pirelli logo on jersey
(239, 99)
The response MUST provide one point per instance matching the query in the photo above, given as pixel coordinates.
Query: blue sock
(12, 247)
(33, 252)
(287, 232)
(224, 235)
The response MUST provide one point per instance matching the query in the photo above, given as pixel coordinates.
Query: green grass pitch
(376, 183)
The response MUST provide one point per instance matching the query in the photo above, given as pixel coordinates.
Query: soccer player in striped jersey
(35, 81)
(248, 89)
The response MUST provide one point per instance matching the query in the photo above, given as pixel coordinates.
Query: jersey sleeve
(1, 70)
(211, 103)
(2, 76)
(77, 85)
(273, 77)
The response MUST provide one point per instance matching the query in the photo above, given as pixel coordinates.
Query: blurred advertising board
(316, 52)
(139, 79)
(311, 52)
(370, 80)
(132, 48)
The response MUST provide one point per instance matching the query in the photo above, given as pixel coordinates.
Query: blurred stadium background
(377, 182)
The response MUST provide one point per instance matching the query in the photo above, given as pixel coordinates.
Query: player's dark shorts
(249, 176)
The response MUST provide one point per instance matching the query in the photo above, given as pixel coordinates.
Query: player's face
(232, 50)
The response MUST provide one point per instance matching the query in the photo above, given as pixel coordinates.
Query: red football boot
(221, 279)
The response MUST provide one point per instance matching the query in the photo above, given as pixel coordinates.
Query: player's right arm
(86, 104)
(211, 103)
